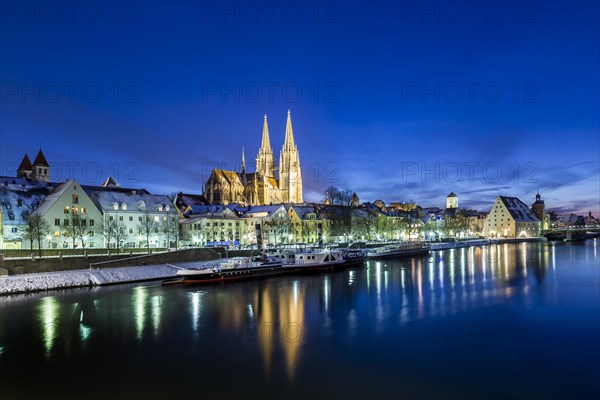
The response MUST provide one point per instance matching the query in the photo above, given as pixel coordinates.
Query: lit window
(156, 219)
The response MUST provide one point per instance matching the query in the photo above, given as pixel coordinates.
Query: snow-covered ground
(85, 277)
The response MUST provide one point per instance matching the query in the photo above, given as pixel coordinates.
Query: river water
(499, 321)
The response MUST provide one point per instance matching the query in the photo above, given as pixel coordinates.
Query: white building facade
(511, 218)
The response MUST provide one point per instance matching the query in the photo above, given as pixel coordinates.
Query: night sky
(394, 100)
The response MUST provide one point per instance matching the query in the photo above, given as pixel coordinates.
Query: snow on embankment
(79, 278)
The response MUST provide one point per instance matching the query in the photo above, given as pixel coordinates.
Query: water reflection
(139, 307)
(281, 323)
(48, 316)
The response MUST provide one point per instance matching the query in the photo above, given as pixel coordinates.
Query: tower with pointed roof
(451, 201)
(243, 171)
(264, 160)
(539, 209)
(41, 168)
(25, 168)
(290, 175)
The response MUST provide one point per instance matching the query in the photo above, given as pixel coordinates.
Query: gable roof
(231, 177)
(110, 182)
(517, 209)
(53, 197)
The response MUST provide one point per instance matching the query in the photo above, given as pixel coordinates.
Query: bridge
(572, 232)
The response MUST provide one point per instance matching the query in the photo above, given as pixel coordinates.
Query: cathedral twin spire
(290, 179)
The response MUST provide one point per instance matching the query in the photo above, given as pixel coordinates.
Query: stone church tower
(290, 176)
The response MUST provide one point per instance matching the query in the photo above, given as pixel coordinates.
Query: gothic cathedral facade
(262, 186)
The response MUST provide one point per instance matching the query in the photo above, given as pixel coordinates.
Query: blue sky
(394, 100)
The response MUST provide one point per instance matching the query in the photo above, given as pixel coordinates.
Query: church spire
(243, 162)
(290, 174)
(266, 142)
(289, 133)
(265, 164)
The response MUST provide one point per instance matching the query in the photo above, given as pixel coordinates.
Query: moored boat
(317, 260)
(354, 257)
(238, 268)
(398, 250)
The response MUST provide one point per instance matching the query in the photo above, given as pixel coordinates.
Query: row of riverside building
(79, 216)
(236, 208)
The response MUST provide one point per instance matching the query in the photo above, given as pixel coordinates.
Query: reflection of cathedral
(261, 187)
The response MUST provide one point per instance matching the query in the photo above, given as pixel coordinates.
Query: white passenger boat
(398, 250)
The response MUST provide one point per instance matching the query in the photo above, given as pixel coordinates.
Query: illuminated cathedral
(262, 186)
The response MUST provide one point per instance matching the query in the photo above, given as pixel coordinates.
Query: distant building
(39, 171)
(538, 208)
(510, 217)
(451, 201)
(143, 219)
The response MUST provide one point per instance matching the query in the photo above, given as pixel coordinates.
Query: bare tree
(147, 227)
(340, 210)
(36, 229)
(278, 227)
(169, 227)
(106, 229)
(120, 231)
(72, 228)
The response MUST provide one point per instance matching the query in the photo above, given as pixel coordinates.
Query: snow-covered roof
(268, 209)
(518, 210)
(128, 200)
(190, 204)
(18, 198)
(212, 209)
(303, 212)
(53, 197)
